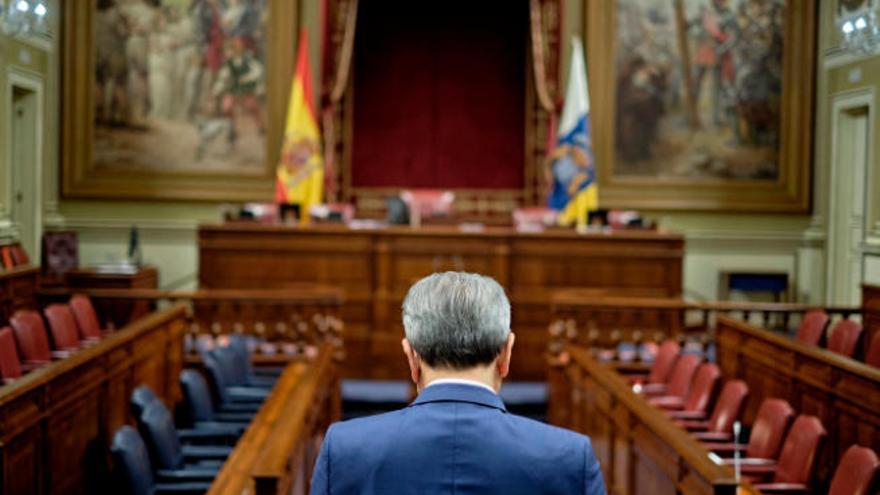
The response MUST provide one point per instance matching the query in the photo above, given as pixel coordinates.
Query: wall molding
(90, 223)
(837, 57)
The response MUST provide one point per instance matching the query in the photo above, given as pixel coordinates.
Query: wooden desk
(639, 448)
(119, 313)
(376, 268)
(842, 392)
(278, 451)
(56, 422)
(18, 288)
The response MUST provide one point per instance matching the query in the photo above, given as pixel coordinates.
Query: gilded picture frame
(787, 189)
(190, 177)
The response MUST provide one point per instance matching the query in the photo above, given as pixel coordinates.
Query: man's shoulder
(367, 425)
(549, 433)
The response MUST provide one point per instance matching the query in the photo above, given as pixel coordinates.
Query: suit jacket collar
(454, 392)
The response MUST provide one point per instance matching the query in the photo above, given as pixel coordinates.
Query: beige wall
(717, 242)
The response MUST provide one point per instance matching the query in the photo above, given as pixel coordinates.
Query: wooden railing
(307, 315)
(581, 317)
(842, 392)
(639, 448)
(277, 453)
(56, 421)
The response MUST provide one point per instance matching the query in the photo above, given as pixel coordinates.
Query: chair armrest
(233, 417)
(234, 428)
(755, 464)
(247, 393)
(206, 451)
(692, 415)
(250, 408)
(794, 488)
(261, 382)
(653, 389)
(724, 449)
(268, 372)
(213, 436)
(712, 436)
(188, 488)
(189, 474)
(635, 378)
(667, 402)
(62, 354)
(8, 381)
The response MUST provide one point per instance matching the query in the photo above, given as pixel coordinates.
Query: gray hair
(456, 319)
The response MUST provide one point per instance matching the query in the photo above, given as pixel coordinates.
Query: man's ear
(412, 358)
(505, 355)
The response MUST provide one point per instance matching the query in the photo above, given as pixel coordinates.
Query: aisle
(368, 397)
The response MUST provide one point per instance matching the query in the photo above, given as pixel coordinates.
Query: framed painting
(174, 99)
(703, 104)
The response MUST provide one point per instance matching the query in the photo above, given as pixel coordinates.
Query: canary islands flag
(300, 176)
(575, 192)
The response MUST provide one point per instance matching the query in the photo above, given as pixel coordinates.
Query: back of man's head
(456, 320)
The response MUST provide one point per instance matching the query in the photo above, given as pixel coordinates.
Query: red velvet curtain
(439, 94)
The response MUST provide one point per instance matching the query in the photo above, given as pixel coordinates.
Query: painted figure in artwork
(698, 88)
(189, 88)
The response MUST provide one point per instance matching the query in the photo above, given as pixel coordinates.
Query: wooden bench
(842, 392)
(56, 422)
(639, 448)
(278, 451)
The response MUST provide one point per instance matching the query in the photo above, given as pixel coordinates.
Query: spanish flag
(301, 168)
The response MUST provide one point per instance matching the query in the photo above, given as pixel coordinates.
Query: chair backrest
(86, 318)
(30, 334)
(239, 343)
(728, 406)
(62, 325)
(856, 472)
(157, 423)
(230, 365)
(769, 429)
(702, 388)
(872, 355)
(197, 395)
(10, 366)
(812, 327)
(797, 460)
(845, 337)
(131, 458)
(666, 357)
(683, 375)
(141, 397)
(215, 377)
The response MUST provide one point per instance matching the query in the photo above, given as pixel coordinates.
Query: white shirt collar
(460, 381)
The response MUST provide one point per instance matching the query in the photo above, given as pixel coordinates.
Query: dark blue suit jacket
(454, 439)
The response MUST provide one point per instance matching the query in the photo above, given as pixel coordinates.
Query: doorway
(25, 155)
(850, 155)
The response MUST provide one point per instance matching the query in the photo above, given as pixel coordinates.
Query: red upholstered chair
(856, 473)
(680, 379)
(797, 461)
(697, 398)
(845, 337)
(771, 423)
(86, 318)
(727, 409)
(666, 357)
(812, 327)
(33, 343)
(63, 327)
(10, 366)
(872, 355)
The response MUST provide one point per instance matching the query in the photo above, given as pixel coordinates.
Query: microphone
(737, 428)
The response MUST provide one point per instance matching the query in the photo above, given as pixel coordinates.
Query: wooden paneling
(640, 449)
(18, 287)
(842, 392)
(56, 422)
(376, 267)
(278, 451)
